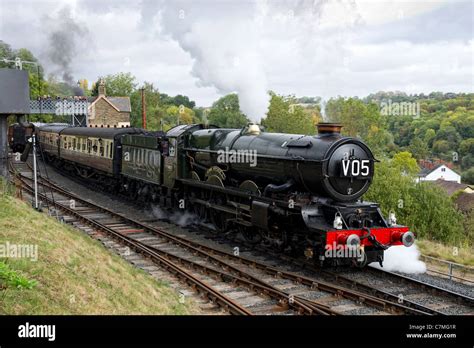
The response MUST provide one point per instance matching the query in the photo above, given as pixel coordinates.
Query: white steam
(228, 39)
(225, 50)
(179, 218)
(402, 259)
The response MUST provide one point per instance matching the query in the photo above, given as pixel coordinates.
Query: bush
(468, 176)
(425, 208)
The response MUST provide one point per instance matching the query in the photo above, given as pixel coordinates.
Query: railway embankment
(50, 268)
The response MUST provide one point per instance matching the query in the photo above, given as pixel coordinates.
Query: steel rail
(301, 305)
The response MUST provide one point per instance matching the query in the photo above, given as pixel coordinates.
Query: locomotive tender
(297, 193)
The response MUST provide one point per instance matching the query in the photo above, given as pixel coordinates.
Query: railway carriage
(142, 161)
(93, 153)
(48, 138)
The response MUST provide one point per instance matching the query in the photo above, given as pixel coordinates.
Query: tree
(466, 146)
(120, 85)
(468, 176)
(419, 148)
(285, 116)
(405, 163)
(183, 100)
(84, 85)
(429, 136)
(225, 112)
(179, 115)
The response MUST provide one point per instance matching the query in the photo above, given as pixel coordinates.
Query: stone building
(108, 111)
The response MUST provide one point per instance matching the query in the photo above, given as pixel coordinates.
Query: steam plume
(65, 38)
(402, 259)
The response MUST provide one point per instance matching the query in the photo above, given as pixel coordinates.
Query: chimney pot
(101, 88)
(329, 128)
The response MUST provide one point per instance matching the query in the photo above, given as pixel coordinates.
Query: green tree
(466, 146)
(429, 136)
(119, 85)
(441, 147)
(179, 100)
(419, 148)
(225, 112)
(468, 176)
(405, 163)
(179, 115)
(285, 116)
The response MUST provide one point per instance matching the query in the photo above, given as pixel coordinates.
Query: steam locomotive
(300, 194)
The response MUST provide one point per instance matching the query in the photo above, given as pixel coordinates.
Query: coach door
(170, 156)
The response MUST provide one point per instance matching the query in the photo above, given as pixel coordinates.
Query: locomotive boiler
(328, 165)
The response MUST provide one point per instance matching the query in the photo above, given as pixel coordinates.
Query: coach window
(111, 149)
(94, 147)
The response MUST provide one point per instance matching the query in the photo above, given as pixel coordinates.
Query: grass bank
(73, 274)
(463, 255)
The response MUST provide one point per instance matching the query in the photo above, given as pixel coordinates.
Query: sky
(206, 49)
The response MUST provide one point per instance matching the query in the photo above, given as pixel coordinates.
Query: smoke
(227, 42)
(183, 219)
(402, 259)
(77, 90)
(66, 40)
(179, 218)
(158, 213)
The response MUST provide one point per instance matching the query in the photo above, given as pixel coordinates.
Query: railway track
(412, 291)
(235, 283)
(390, 286)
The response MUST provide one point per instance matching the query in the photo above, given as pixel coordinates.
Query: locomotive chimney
(329, 128)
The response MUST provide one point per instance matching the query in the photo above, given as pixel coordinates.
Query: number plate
(355, 168)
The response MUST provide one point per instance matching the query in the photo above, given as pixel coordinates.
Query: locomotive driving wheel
(197, 209)
(217, 217)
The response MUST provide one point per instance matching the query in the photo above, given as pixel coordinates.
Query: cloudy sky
(206, 49)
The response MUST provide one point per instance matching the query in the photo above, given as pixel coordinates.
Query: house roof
(122, 104)
(425, 171)
(451, 186)
(465, 202)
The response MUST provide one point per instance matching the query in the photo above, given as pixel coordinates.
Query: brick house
(108, 111)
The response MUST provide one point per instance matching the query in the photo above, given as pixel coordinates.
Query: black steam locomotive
(297, 193)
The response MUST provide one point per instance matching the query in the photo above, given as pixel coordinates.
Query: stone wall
(103, 113)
